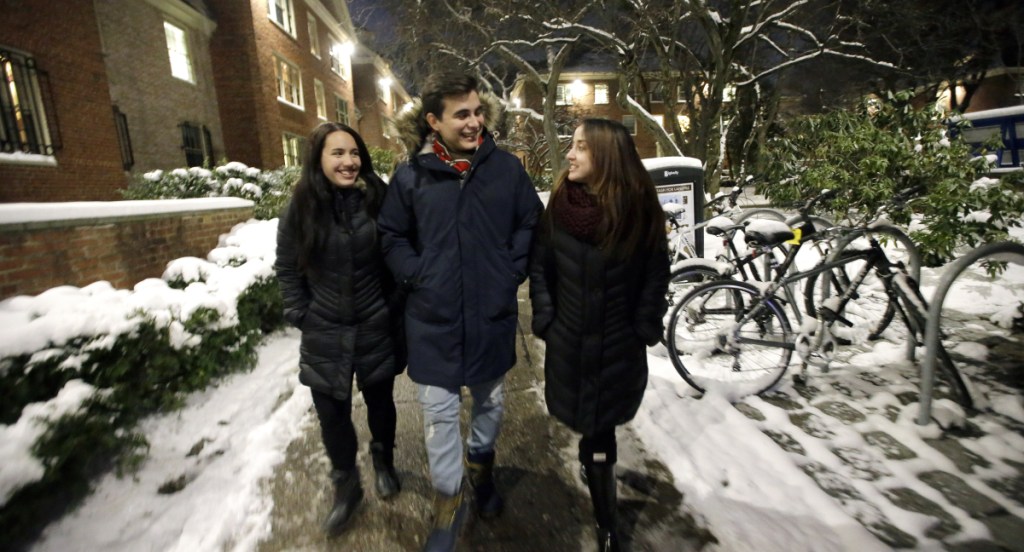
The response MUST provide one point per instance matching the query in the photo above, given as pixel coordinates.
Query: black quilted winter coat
(342, 304)
(598, 316)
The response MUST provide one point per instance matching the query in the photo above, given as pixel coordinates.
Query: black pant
(336, 427)
(599, 448)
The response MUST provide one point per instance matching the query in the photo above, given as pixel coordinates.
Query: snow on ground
(746, 489)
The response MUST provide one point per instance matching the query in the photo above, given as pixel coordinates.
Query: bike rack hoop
(1002, 251)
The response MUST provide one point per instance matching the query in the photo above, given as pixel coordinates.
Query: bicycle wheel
(759, 212)
(867, 313)
(724, 335)
(688, 276)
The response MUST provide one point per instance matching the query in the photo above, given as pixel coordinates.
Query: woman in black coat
(338, 292)
(598, 277)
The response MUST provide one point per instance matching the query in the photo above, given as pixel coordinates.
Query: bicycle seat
(767, 233)
(721, 226)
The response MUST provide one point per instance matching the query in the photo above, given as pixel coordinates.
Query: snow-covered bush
(269, 190)
(81, 366)
(870, 154)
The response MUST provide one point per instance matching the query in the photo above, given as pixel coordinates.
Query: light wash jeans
(443, 434)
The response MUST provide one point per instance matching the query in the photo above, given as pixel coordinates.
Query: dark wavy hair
(633, 220)
(313, 199)
(436, 88)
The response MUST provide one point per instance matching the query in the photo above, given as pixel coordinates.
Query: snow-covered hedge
(269, 190)
(80, 366)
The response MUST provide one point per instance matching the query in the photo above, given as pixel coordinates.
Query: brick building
(161, 82)
(379, 96)
(134, 86)
(58, 140)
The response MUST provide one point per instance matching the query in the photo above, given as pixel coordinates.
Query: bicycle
(735, 336)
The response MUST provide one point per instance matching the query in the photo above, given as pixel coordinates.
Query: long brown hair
(632, 218)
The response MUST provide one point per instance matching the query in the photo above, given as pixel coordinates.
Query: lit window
(563, 96)
(281, 12)
(24, 127)
(341, 53)
(629, 121)
(314, 37)
(600, 94)
(321, 99)
(177, 49)
(289, 82)
(340, 109)
(384, 90)
(292, 145)
(684, 122)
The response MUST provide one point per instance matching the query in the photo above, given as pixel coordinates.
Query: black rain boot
(386, 482)
(601, 481)
(449, 515)
(348, 493)
(480, 469)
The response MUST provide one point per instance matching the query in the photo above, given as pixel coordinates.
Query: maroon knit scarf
(577, 211)
(461, 165)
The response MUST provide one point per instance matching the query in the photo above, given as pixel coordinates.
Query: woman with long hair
(338, 292)
(598, 277)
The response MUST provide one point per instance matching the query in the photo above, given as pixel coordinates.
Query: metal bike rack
(913, 258)
(1001, 251)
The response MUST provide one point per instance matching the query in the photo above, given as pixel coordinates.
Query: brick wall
(243, 49)
(64, 40)
(141, 84)
(36, 256)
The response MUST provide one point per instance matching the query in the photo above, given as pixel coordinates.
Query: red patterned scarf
(461, 165)
(577, 211)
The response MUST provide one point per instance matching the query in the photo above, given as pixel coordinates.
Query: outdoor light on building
(407, 106)
(577, 89)
(348, 48)
(385, 83)
(517, 102)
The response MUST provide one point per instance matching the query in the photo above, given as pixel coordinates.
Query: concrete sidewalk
(547, 507)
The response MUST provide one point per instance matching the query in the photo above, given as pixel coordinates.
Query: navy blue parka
(461, 248)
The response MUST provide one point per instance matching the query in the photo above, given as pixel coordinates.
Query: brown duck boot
(449, 516)
(480, 469)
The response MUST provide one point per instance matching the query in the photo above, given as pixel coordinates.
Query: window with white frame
(629, 121)
(292, 146)
(340, 54)
(563, 94)
(600, 94)
(321, 99)
(282, 12)
(314, 36)
(177, 50)
(657, 92)
(289, 82)
(340, 109)
(24, 125)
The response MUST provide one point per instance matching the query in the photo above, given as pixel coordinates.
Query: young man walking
(456, 228)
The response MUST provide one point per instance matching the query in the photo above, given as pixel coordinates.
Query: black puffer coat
(598, 316)
(342, 303)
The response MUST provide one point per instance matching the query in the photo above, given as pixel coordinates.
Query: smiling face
(340, 159)
(460, 124)
(581, 167)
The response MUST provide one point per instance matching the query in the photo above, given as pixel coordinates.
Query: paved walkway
(547, 507)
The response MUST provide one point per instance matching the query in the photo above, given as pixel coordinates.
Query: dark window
(23, 122)
(197, 144)
(124, 140)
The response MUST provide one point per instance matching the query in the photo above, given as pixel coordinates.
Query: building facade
(96, 92)
(58, 140)
(379, 97)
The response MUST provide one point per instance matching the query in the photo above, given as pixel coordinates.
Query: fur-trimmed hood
(412, 128)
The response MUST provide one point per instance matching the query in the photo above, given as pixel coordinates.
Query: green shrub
(269, 190)
(870, 154)
(384, 161)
